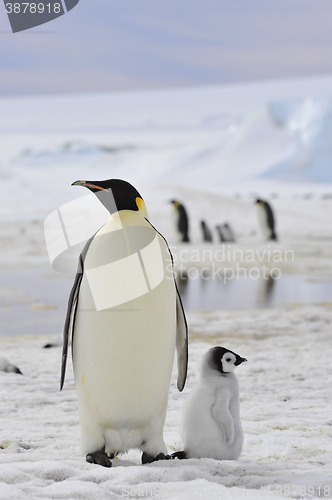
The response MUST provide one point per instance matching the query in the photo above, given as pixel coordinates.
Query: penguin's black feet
(147, 459)
(99, 458)
(181, 455)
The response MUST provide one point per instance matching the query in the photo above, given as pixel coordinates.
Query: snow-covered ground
(285, 404)
(215, 149)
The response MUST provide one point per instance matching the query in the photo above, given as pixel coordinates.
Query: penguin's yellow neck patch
(141, 207)
(139, 203)
(176, 203)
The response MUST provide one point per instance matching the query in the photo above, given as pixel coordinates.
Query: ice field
(216, 149)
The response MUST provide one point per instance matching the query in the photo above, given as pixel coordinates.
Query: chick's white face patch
(228, 362)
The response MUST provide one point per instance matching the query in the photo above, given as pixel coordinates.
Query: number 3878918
(32, 8)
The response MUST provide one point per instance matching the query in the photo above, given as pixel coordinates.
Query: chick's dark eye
(228, 360)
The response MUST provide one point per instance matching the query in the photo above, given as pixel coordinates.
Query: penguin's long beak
(78, 183)
(87, 185)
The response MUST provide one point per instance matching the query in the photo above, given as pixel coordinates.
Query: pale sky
(104, 45)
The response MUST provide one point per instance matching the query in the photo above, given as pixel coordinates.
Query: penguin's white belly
(123, 359)
(201, 434)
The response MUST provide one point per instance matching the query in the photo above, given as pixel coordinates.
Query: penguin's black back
(183, 224)
(270, 220)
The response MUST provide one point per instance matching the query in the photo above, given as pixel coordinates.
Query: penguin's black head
(116, 195)
(223, 360)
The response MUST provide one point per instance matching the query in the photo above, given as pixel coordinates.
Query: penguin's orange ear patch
(139, 203)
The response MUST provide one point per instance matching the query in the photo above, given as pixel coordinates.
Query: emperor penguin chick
(211, 425)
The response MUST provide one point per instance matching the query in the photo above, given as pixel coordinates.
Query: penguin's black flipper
(181, 341)
(70, 318)
(181, 329)
(71, 309)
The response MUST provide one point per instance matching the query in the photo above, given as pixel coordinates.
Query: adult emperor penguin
(127, 317)
(181, 221)
(211, 425)
(266, 219)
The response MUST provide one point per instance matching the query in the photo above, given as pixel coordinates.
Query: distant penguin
(266, 219)
(56, 343)
(6, 366)
(229, 233)
(211, 424)
(127, 317)
(220, 232)
(225, 233)
(181, 221)
(207, 234)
